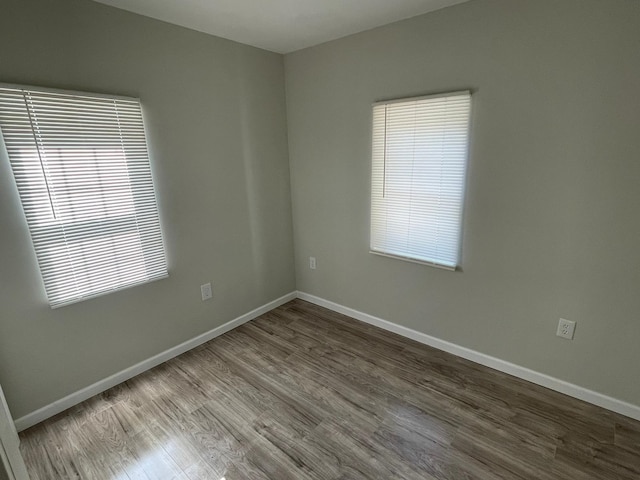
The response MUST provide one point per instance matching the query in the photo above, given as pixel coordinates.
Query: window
(419, 162)
(81, 166)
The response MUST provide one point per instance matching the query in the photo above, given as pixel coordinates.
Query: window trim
(80, 93)
(423, 97)
(415, 260)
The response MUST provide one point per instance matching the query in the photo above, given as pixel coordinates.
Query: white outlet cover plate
(566, 329)
(206, 292)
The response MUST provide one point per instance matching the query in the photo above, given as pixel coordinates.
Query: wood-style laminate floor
(306, 393)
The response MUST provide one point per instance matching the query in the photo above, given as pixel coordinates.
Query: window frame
(113, 224)
(467, 157)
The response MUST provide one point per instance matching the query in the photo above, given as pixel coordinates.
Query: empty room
(319, 239)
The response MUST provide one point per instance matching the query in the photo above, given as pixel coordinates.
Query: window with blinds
(419, 160)
(82, 170)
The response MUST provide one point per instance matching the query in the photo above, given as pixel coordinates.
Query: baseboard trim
(581, 393)
(61, 405)
(572, 390)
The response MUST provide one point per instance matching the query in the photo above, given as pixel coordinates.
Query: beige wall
(552, 227)
(215, 114)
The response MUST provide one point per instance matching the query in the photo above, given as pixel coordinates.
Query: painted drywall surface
(551, 225)
(216, 121)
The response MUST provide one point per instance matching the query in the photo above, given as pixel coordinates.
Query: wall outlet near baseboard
(312, 263)
(206, 291)
(566, 328)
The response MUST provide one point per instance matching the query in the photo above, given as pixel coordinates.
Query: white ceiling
(280, 25)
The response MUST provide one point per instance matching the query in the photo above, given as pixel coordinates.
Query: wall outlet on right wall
(566, 328)
(312, 263)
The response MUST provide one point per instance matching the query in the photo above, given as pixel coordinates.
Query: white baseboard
(595, 398)
(581, 393)
(61, 405)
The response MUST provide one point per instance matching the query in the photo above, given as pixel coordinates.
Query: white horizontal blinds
(82, 170)
(418, 177)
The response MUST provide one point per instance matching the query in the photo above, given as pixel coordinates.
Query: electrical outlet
(206, 291)
(312, 263)
(566, 328)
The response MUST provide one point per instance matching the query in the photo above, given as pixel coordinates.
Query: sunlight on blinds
(419, 163)
(82, 169)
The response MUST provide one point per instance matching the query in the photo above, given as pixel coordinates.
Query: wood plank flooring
(305, 393)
